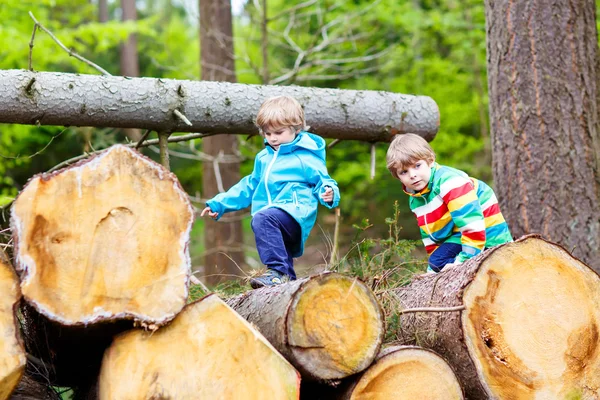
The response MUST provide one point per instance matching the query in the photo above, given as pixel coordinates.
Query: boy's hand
(328, 195)
(210, 213)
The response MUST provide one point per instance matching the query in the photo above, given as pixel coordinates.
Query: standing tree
(543, 106)
(217, 64)
(129, 55)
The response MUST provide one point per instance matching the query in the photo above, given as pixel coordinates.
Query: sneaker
(269, 278)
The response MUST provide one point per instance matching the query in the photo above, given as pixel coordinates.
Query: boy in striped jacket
(458, 216)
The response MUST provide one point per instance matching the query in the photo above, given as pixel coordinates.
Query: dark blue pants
(277, 235)
(445, 254)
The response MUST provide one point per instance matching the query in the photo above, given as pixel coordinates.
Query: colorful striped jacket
(456, 208)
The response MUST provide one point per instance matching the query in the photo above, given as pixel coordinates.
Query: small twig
(432, 309)
(163, 145)
(334, 143)
(336, 237)
(373, 159)
(151, 142)
(182, 117)
(218, 173)
(144, 137)
(31, 46)
(70, 52)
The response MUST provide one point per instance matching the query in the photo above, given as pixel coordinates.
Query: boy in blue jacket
(288, 181)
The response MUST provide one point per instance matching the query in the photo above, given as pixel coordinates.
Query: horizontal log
(49, 98)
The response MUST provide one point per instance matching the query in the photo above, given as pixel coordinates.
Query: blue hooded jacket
(292, 179)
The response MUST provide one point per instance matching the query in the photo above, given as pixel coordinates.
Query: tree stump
(207, 352)
(529, 328)
(12, 353)
(98, 244)
(104, 239)
(405, 373)
(328, 326)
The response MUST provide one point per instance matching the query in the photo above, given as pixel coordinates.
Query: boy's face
(416, 177)
(278, 135)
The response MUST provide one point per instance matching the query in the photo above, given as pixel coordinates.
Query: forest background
(435, 48)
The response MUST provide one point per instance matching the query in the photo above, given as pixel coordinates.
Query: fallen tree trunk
(12, 353)
(104, 240)
(403, 373)
(49, 98)
(207, 352)
(529, 328)
(328, 326)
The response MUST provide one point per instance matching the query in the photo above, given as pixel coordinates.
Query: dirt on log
(207, 352)
(50, 98)
(104, 239)
(529, 328)
(328, 326)
(12, 352)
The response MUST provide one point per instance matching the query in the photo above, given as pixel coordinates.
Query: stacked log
(529, 328)
(207, 352)
(405, 373)
(12, 353)
(98, 243)
(328, 326)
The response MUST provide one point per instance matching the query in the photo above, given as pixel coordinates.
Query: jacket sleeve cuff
(215, 207)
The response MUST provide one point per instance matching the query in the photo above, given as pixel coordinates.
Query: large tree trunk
(103, 240)
(223, 240)
(103, 11)
(544, 119)
(404, 373)
(529, 328)
(219, 107)
(12, 353)
(129, 55)
(207, 352)
(328, 326)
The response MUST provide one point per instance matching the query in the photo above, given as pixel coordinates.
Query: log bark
(217, 107)
(529, 328)
(328, 326)
(105, 239)
(207, 352)
(12, 352)
(404, 373)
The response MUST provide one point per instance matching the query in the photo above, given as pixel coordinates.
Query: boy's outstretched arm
(317, 175)
(460, 196)
(239, 196)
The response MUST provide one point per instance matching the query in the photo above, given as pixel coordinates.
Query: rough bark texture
(221, 261)
(530, 327)
(328, 326)
(543, 92)
(104, 239)
(207, 352)
(30, 389)
(219, 107)
(12, 352)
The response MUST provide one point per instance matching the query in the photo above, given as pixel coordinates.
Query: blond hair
(405, 150)
(281, 111)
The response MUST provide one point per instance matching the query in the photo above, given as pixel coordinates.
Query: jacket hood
(304, 140)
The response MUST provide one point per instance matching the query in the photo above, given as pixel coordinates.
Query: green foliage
(384, 264)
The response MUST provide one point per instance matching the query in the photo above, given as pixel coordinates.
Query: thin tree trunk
(542, 79)
(212, 107)
(129, 56)
(103, 11)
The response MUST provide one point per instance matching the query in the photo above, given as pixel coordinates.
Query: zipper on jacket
(296, 199)
(267, 176)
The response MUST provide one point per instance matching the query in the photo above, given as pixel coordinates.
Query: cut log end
(532, 323)
(334, 327)
(207, 352)
(104, 239)
(408, 373)
(12, 353)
